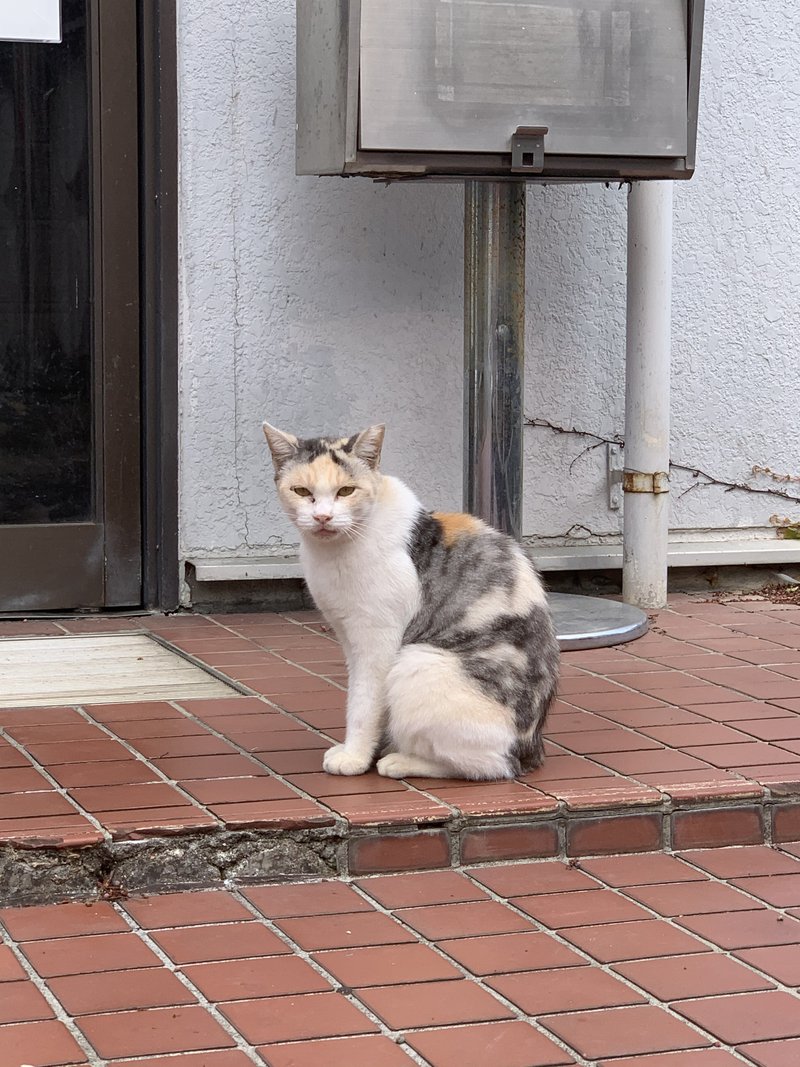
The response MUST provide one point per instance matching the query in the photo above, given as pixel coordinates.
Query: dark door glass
(46, 343)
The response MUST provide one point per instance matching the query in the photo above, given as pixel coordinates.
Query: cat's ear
(283, 446)
(367, 445)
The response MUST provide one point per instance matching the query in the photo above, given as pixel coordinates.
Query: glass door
(70, 523)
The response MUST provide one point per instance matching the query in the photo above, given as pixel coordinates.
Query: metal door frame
(133, 63)
(98, 563)
(158, 101)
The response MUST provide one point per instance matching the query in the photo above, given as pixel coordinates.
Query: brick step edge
(219, 858)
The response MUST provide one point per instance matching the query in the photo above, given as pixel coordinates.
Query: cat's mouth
(324, 533)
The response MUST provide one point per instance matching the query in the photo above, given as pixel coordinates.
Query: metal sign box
(539, 89)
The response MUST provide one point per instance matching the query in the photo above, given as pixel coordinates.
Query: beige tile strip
(40, 671)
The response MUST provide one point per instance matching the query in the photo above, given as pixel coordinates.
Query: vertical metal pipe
(647, 395)
(494, 330)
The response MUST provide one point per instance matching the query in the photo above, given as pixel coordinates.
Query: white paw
(395, 765)
(341, 760)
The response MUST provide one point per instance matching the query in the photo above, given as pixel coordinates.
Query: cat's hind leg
(441, 724)
(402, 765)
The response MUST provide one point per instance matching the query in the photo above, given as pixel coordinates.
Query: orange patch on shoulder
(456, 525)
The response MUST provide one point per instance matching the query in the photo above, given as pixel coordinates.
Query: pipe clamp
(639, 482)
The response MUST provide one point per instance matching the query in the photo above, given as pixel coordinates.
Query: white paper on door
(30, 20)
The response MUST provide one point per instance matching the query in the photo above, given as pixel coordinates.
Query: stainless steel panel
(696, 23)
(591, 622)
(321, 47)
(608, 77)
(494, 358)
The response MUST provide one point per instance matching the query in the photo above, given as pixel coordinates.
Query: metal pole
(494, 331)
(647, 387)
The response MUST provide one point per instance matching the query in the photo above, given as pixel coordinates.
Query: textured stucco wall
(325, 304)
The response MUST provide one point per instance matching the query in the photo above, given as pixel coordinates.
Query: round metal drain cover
(593, 622)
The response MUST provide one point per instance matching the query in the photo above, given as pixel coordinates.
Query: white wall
(326, 304)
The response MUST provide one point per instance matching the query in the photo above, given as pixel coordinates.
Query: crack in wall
(696, 472)
(238, 346)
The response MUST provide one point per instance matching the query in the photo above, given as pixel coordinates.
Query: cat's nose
(322, 518)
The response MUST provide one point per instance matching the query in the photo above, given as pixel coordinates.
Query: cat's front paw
(342, 760)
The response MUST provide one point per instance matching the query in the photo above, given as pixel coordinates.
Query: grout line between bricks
(396, 1036)
(759, 904)
(340, 823)
(718, 950)
(279, 653)
(238, 687)
(666, 829)
(606, 968)
(61, 1015)
(685, 671)
(60, 789)
(768, 808)
(144, 935)
(324, 802)
(477, 980)
(165, 780)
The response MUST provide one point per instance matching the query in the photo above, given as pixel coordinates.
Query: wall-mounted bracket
(527, 149)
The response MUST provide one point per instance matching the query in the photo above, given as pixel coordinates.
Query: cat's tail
(541, 686)
(529, 749)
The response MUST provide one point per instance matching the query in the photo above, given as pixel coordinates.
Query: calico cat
(450, 648)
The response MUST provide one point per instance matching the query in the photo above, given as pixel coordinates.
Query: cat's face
(327, 486)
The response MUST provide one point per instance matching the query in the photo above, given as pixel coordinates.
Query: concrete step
(688, 737)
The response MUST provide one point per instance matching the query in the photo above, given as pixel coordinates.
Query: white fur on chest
(368, 588)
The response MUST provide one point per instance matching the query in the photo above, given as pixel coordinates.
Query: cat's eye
(301, 490)
(346, 490)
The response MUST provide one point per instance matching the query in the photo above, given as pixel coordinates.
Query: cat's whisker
(357, 531)
(353, 534)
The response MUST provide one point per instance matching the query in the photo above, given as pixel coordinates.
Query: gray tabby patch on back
(482, 601)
